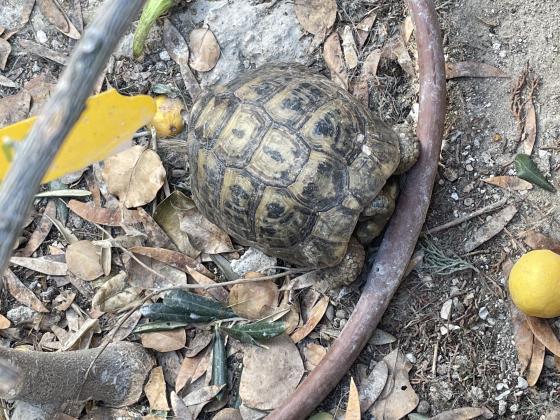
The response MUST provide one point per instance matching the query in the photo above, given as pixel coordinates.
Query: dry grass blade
(523, 337)
(544, 333)
(537, 362)
(438, 262)
(472, 69)
(315, 316)
(353, 406)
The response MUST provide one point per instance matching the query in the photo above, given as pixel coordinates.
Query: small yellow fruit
(534, 284)
(168, 120)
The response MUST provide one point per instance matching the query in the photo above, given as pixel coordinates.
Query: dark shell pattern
(285, 161)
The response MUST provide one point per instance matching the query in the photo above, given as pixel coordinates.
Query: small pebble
(522, 383)
(342, 323)
(483, 313)
(468, 202)
(503, 395)
(502, 407)
(500, 386)
(411, 358)
(469, 168)
(549, 362)
(423, 407)
(21, 314)
(455, 196)
(514, 408)
(41, 36)
(340, 313)
(445, 312)
(164, 56)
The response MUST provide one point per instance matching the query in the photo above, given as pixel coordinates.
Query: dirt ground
(470, 359)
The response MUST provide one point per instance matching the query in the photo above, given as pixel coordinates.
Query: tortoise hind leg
(374, 217)
(409, 148)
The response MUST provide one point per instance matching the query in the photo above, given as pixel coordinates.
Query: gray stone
(253, 260)
(249, 33)
(21, 314)
(423, 407)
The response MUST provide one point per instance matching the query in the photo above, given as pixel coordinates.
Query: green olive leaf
(527, 170)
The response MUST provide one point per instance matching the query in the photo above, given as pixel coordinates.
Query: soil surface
(469, 359)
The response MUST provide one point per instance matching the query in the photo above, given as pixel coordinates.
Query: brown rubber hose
(402, 233)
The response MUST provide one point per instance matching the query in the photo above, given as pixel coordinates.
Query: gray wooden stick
(35, 154)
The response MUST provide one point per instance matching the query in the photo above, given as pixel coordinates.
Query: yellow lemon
(168, 120)
(534, 284)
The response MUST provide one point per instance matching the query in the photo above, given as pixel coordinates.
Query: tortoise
(286, 161)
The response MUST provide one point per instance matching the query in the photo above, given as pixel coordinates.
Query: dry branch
(35, 154)
(401, 236)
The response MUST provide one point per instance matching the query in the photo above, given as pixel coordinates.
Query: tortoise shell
(284, 160)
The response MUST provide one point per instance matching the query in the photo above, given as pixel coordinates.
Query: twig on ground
(466, 217)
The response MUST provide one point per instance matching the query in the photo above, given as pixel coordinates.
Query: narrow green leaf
(159, 326)
(161, 312)
(528, 170)
(219, 366)
(196, 304)
(261, 330)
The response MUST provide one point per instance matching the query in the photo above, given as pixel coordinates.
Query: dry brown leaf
(155, 390)
(58, 17)
(509, 182)
(536, 240)
(41, 231)
(169, 214)
(21, 293)
(5, 50)
(363, 28)
(353, 406)
(155, 235)
(134, 175)
(4, 322)
(315, 16)
(523, 337)
(315, 316)
(91, 213)
(42, 51)
(552, 415)
(64, 300)
(313, 353)
(81, 338)
(178, 50)
(41, 265)
(163, 341)
(202, 395)
(372, 385)
(198, 343)
(204, 235)
(126, 328)
(398, 398)
(180, 410)
(464, 413)
(407, 28)
(544, 333)
(173, 258)
(371, 63)
(537, 363)
(292, 318)
(84, 260)
(360, 89)
(4, 81)
(270, 375)
(115, 294)
(191, 369)
(490, 228)
(228, 414)
(349, 48)
(205, 50)
(40, 89)
(334, 59)
(472, 69)
(396, 49)
(529, 133)
(254, 300)
(14, 108)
